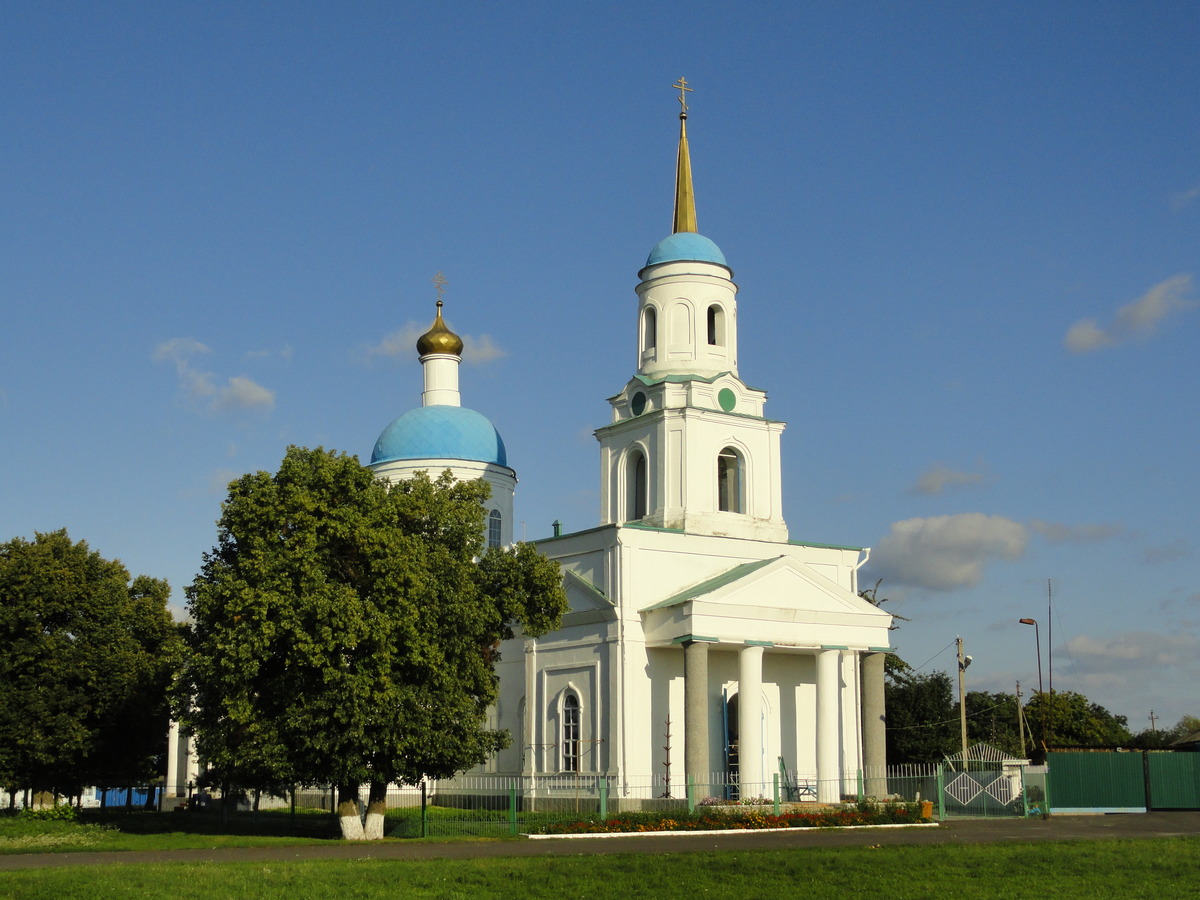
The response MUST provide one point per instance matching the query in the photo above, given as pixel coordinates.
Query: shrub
(60, 812)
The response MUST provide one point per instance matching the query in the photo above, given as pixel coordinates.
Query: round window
(638, 403)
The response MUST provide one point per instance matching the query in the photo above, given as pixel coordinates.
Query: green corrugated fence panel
(1175, 780)
(1097, 780)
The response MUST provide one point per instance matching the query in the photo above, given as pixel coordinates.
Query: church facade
(700, 640)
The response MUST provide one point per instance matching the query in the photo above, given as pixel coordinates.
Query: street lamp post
(1037, 634)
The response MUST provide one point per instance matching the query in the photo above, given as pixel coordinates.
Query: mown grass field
(1154, 868)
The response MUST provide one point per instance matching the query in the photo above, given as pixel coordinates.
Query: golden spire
(439, 338)
(685, 199)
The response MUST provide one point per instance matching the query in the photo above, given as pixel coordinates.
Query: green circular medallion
(727, 399)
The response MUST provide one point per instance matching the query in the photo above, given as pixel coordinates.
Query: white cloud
(938, 478)
(244, 393)
(238, 392)
(1138, 319)
(1085, 336)
(943, 553)
(1133, 650)
(284, 352)
(1059, 532)
(1172, 552)
(481, 349)
(402, 344)
(1183, 198)
(179, 351)
(218, 482)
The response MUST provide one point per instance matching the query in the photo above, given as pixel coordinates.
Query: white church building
(698, 633)
(700, 640)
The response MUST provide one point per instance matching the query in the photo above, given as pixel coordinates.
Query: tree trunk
(347, 810)
(376, 810)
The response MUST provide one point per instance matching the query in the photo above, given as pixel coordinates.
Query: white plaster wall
(681, 292)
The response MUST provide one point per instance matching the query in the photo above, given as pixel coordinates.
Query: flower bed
(743, 819)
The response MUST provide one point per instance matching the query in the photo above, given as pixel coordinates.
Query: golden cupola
(439, 338)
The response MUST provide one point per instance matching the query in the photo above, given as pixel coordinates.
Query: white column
(171, 788)
(440, 372)
(828, 715)
(532, 709)
(750, 748)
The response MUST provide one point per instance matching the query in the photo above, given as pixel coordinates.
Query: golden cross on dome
(439, 284)
(684, 90)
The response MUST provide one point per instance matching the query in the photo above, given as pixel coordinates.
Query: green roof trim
(834, 647)
(712, 584)
(642, 526)
(561, 537)
(586, 585)
(881, 649)
(825, 546)
(760, 643)
(679, 379)
(695, 638)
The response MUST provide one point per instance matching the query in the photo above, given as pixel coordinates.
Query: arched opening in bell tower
(729, 481)
(637, 486)
(716, 326)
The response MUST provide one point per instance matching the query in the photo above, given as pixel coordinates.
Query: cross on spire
(439, 284)
(684, 90)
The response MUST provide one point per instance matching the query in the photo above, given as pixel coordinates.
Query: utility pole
(963, 662)
(1153, 720)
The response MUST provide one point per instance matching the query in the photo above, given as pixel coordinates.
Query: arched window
(571, 732)
(729, 481)
(649, 329)
(637, 486)
(716, 326)
(494, 521)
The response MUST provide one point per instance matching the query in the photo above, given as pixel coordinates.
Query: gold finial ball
(439, 338)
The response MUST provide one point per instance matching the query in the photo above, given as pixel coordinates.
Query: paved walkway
(959, 831)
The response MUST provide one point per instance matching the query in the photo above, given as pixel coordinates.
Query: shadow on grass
(274, 823)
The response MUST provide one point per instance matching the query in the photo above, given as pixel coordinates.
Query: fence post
(941, 793)
(512, 810)
(424, 809)
(691, 793)
(1046, 791)
(861, 793)
(775, 779)
(602, 780)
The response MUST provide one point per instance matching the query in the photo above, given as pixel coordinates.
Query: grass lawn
(1162, 868)
(154, 831)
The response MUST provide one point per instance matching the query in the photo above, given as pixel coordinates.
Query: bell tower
(689, 446)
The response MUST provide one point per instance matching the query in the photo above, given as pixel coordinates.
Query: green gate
(1109, 781)
(1174, 780)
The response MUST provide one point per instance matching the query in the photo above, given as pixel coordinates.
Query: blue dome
(686, 246)
(441, 432)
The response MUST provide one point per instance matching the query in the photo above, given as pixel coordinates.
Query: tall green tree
(992, 719)
(922, 718)
(1074, 721)
(345, 631)
(86, 667)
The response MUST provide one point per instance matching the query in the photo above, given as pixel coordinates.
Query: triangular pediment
(780, 583)
(582, 595)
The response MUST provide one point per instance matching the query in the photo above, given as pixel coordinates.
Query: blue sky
(965, 236)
